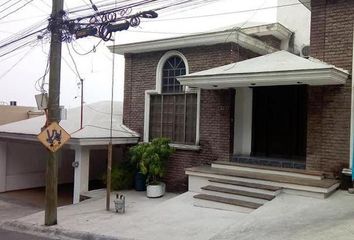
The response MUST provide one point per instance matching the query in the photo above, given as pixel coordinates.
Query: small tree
(151, 158)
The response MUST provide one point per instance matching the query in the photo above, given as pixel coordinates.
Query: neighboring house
(23, 157)
(232, 95)
(13, 113)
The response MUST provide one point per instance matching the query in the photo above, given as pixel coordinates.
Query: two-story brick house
(246, 96)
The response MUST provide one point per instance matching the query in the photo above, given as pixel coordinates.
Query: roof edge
(306, 3)
(201, 39)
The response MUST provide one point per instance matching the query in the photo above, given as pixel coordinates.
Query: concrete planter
(154, 191)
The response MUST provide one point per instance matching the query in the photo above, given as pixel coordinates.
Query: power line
(73, 60)
(226, 13)
(88, 52)
(16, 63)
(10, 6)
(17, 9)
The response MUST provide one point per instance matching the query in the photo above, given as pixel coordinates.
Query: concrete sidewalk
(174, 217)
(293, 218)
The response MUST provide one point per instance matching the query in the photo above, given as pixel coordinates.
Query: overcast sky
(18, 84)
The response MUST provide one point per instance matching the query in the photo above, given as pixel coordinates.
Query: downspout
(351, 158)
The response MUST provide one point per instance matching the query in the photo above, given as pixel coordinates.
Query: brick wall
(271, 41)
(216, 105)
(329, 106)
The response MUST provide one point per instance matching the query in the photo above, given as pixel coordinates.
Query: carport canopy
(274, 69)
(94, 133)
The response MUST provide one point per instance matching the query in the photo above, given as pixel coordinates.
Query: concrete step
(246, 186)
(291, 172)
(237, 194)
(222, 203)
(199, 177)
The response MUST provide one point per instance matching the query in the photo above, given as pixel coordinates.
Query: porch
(270, 113)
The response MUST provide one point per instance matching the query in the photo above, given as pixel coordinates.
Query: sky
(20, 70)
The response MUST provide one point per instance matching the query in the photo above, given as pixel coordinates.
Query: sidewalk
(174, 217)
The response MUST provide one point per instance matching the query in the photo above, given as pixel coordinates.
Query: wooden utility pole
(51, 190)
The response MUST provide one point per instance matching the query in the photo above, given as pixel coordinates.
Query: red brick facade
(215, 110)
(329, 107)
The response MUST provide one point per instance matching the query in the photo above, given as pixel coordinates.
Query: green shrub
(122, 176)
(151, 158)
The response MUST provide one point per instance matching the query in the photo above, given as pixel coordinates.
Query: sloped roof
(96, 126)
(281, 64)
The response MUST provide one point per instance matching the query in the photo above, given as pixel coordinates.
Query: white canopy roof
(95, 131)
(279, 68)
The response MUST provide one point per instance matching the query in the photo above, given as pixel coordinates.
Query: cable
(225, 13)
(107, 113)
(88, 52)
(16, 63)
(19, 39)
(9, 6)
(73, 60)
(5, 3)
(17, 9)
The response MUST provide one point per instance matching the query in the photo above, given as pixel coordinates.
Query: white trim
(74, 141)
(185, 147)
(159, 68)
(201, 39)
(329, 76)
(147, 113)
(275, 29)
(158, 90)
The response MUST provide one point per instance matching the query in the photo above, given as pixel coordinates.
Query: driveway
(16, 204)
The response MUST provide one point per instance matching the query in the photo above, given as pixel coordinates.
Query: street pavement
(10, 235)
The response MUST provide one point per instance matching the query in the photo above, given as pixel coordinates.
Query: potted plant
(152, 162)
(136, 154)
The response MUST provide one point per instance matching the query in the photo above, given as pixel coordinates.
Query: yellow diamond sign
(53, 137)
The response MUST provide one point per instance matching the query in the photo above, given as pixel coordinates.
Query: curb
(53, 232)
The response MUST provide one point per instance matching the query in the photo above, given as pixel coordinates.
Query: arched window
(173, 113)
(173, 67)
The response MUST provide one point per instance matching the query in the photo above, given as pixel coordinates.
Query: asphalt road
(9, 235)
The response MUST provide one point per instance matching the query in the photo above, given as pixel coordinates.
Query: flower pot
(155, 191)
(140, 182)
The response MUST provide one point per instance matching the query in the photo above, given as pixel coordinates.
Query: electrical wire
(225, 13)
(73, 60)
(16, 63)
(17, 9)
(10, 6)
(88, 52)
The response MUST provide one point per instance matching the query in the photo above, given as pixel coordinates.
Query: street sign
(53, 137)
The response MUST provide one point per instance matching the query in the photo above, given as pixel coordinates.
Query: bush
(151, 158)
(122, 176)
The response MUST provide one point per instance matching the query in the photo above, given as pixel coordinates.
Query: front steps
(232, 186)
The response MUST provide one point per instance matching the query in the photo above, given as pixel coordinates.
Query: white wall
(26, 164)
(3, 153)
(243, 121)
(296, 18)
(22, 165)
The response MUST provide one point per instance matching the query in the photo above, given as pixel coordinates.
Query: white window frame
(158, 90)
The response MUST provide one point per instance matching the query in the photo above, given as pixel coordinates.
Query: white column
(81, 177)
(243, 121)
(3, 159)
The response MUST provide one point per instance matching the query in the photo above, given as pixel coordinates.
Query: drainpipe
(351, 158)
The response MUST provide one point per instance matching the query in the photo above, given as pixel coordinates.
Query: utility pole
(51, 191)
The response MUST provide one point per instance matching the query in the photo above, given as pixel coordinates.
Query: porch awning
(279, 68)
